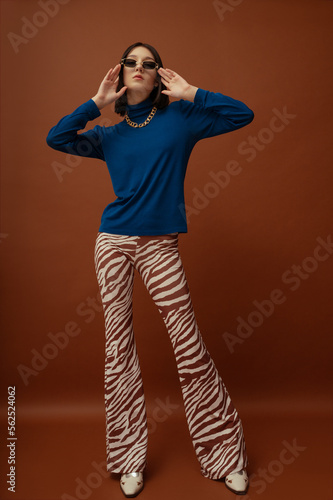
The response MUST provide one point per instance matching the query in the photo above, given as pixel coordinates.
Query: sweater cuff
(200, 96)
(92, 109)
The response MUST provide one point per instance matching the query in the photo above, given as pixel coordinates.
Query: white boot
(237, 482)
(131, 484)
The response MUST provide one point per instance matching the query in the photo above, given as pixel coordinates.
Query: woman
(147, 155)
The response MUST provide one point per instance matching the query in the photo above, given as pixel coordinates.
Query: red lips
(137, 77)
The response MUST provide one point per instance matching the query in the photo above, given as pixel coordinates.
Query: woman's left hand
(176, 85)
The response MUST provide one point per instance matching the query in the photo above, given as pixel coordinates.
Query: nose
(137, 66)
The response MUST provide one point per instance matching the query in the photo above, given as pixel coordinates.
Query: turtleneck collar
(142, 109)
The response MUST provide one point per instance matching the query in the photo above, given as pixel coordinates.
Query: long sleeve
(213, 113)
(147, 165)
(64, 136)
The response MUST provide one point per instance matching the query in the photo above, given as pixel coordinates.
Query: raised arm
(64, 136)
(207, 113)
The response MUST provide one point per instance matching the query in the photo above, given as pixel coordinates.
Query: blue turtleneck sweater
(147, 165)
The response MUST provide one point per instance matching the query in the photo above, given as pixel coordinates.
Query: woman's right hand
(107, 90)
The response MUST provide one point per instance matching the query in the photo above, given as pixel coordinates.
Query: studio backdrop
(259, 249)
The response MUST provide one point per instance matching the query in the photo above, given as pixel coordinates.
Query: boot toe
(131, 484)
(237, 482)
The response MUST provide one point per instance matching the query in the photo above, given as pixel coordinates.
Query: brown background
(268, 54)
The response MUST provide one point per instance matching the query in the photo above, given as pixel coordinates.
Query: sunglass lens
(130, 63)
(149, 65)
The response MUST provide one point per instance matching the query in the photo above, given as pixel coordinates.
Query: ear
(156, 84)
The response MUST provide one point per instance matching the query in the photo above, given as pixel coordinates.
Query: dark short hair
(159, 100)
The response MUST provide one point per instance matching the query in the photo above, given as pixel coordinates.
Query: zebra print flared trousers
(215, 427)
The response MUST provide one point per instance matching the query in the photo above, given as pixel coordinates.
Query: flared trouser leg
(215, 427)
(126, 421)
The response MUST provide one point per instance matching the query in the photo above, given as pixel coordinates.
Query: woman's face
(138, 79)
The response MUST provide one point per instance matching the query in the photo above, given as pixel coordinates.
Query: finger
(169, 76)
(165, 82)
(170, 72)
(165, 79)
(108, 74)
(116, 69)
(162, 71)
(121, 91)
(113, 72)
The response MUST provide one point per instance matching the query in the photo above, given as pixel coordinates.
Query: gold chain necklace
(136, 125)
